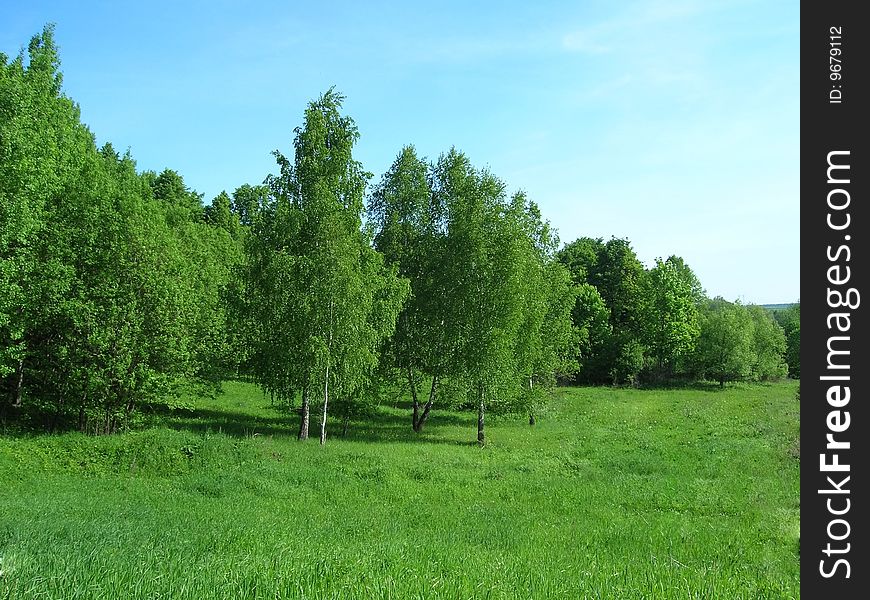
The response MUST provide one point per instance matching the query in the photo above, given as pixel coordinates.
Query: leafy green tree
(408, 233)
(211, 257)
(180, 203)
(617, 276)
(483, 253)
(113, 340)
(211, 252)
(581, 257)
(627, 359)
(670, 314)
(248, 201)
(40, 143)
(688, 278)
(725, 349)
(269, 308)
(219, 214)
(110, 280)
(252, 209)
(790, 320)
(324, 299)
(769, 346)
(547, 341)
(440, 225)
(591, 318)
(616, 273)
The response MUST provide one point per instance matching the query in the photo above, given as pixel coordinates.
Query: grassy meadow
(615, 493)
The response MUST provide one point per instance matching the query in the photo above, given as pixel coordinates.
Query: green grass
(613, 494)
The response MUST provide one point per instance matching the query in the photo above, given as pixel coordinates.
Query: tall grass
(613, 494)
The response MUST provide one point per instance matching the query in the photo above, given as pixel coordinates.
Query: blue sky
(672, 123)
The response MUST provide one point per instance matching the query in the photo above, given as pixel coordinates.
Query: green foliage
(481, 253)
(769, 346)
(618, 276)
(613, 269)
(180, 204)
(120, 290)
(581, 257)
(559, 338)
(740, 343)
(113, 340)
(790, 320)
(547, 340)
(688, 278)
(489, 306)
(320, 298)
(405, 219)
(219, 214)
(660, 325)
(485, 250)
(628, 360)
(591, 317)
(670, 315)
(110, 280)
(40, 144)
(725, 346)
(247, 203)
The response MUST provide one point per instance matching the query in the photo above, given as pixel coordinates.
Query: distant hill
(772, 307)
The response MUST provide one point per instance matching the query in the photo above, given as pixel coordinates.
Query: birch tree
(547, 341)
(407, 217)
(483, 288)
(325, 300)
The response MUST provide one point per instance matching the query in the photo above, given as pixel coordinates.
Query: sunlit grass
(613, 494)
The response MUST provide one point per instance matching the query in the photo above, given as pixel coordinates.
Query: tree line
(120, 290)
(657, 325)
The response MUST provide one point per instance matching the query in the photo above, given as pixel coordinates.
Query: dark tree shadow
(381, 426)
(229, 422)
(699, 386)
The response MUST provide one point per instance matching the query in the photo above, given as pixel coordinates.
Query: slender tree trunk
(415, 418)
(19, 384)
(83, 404)
(82, 415)
(481, 438)
(432, 391)
(128, 410)
(304, 414)
(344, 424)
(326, 379)
(531, 413)
(55, 418)
(325, 402)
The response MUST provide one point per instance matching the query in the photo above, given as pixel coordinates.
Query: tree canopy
(120, 289)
